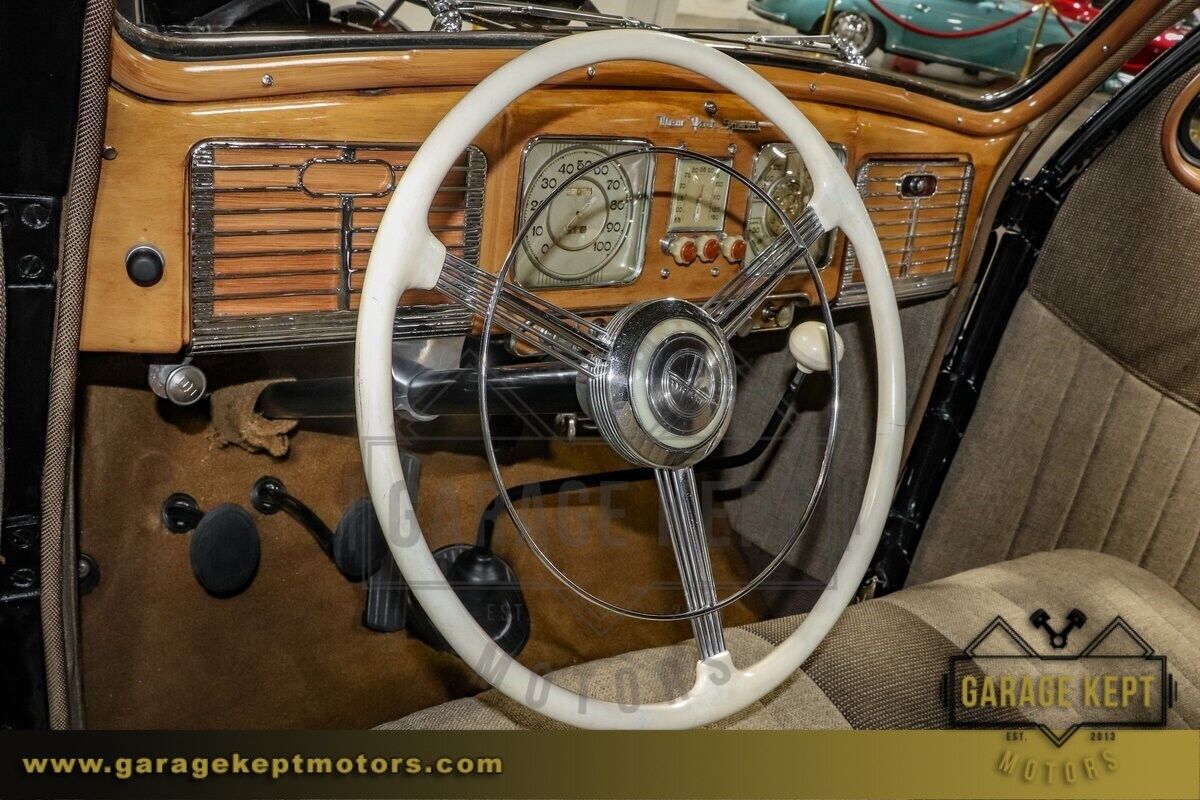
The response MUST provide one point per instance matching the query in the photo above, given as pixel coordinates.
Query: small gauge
(780, 172)
(698, 196)
(792, 195)
(593, 231)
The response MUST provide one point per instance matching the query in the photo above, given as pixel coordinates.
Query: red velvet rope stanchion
(995, 26)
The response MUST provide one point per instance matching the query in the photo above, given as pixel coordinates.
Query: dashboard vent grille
(281, 233)
(919, 209)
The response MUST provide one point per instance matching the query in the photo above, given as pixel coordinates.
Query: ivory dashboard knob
(709, 247)
(683, 249)
(733, 248)
(809, 345)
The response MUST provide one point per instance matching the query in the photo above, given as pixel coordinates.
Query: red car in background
(1087, 10)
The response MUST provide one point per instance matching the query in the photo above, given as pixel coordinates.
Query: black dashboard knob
(144, 265)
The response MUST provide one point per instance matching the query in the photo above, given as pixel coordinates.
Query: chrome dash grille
(281, 233)
(921, 233)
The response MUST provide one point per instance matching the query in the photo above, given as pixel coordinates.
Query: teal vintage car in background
(933, 30)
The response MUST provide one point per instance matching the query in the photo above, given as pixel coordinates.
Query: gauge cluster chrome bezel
(641, 227)
(834, 235)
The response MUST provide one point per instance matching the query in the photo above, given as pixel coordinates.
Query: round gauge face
(592, 231)
(792, 194)
(780, 172)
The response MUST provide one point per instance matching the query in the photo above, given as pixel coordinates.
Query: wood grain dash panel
(258, 221)
(295, 304)
(288, 262)
(145, 194)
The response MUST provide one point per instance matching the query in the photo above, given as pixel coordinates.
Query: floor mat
(289, 652)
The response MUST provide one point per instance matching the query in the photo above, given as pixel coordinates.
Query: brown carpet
(158, 652)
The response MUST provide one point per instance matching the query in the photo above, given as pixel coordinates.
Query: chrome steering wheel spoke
(680, 497)
(734, 302)
(561, 334)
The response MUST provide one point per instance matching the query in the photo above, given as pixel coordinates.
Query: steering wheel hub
(665, 395)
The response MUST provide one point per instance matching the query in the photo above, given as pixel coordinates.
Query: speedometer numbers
(780, 172)
(593, 232)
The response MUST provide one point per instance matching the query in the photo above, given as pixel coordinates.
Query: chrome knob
(182, 384)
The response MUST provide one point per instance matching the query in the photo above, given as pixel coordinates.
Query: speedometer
(593, 232)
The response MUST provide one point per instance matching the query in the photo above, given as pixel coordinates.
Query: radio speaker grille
(919, 209)
(281, 233)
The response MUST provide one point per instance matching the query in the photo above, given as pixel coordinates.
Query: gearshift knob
(809, 345)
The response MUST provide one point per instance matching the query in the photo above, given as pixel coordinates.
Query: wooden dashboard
(146, 185)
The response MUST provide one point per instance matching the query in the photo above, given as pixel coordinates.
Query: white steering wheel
(615, 364)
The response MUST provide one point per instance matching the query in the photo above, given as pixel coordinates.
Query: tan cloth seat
(881, 666)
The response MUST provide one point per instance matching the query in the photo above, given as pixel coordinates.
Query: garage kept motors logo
(1114, 681)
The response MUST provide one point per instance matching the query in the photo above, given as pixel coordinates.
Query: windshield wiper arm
(448, 14)
(828, 45)
(448, 17)
(804, 43)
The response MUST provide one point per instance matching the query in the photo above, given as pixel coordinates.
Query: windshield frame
(247, 45)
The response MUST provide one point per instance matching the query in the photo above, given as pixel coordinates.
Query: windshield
(973, 49)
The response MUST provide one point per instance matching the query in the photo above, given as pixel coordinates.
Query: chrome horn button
(665, 397)
(685, 384)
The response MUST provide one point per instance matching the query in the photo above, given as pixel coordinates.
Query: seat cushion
(882, 664)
